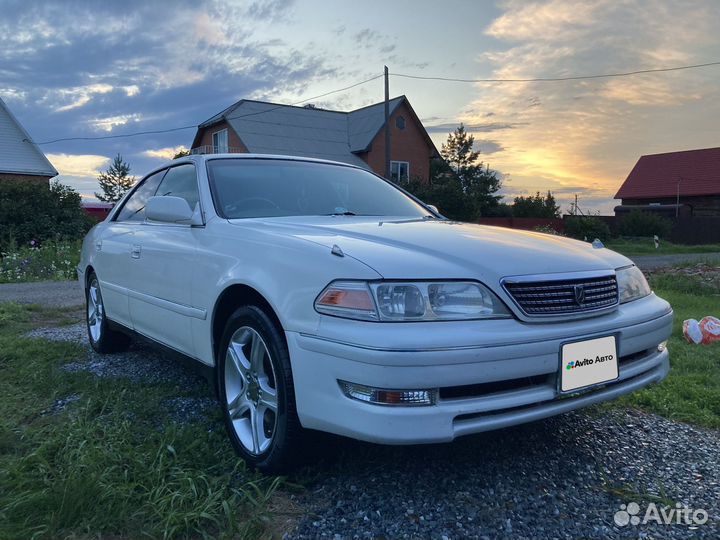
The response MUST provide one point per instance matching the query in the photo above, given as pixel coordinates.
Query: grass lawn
(106, 465)
(646, 246)
(691, 393)
(110, 464)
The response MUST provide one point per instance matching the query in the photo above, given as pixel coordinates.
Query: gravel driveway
(564, 477)
(47, 293)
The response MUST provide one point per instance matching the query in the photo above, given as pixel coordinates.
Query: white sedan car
(321, 296)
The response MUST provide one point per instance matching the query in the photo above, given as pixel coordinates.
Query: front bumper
(492, 374)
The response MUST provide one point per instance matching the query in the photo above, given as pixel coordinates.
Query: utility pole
(575, 207)
(387, 124)
(677, 200)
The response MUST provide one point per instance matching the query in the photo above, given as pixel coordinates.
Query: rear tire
(257, 393)
(102, 338)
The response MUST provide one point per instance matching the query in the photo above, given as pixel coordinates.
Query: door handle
(136, 250)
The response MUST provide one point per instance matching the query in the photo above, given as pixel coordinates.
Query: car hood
(434, 249)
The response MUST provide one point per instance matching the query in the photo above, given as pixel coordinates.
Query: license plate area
(588, 363)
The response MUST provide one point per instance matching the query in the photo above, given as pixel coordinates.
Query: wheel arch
(88, 271)
(233, 297)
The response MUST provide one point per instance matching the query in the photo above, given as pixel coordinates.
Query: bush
(547, 229)
(34, 213)
(446, 194)
(586, 228)
(646, 224)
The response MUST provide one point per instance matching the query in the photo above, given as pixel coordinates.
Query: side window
(181, 181)
(134, 207)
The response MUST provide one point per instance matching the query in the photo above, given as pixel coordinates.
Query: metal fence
(209, 149)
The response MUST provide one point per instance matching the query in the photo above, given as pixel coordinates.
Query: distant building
(356, 137)
(20, 158)
(683, 183)
(97, 210)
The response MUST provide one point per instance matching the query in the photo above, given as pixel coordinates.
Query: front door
(160, 300)
(114, 250)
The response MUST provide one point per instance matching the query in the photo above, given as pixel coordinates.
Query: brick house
(681, 184)
(356, 137)
(20, 158)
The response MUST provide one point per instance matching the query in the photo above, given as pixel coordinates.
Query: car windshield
(249, 188)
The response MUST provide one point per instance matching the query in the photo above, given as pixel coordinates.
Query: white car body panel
(170, 291)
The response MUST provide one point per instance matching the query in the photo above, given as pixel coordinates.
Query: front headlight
(410, 301)
(631, 284)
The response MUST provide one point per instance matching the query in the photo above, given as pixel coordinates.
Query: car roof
(278, 157)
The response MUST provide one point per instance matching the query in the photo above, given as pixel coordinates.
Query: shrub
(547, 229)
(645, 224)
(586, 228)
(33, 213)
(446, 193)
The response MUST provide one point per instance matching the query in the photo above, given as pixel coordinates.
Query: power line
(555, 79)
(403, 75)
(170, 130)
(135, 134)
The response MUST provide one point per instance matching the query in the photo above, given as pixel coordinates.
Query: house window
(399, 171)
(220, 142)
(400, 122)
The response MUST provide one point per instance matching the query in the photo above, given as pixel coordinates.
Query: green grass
(53, 261)
(691, 393)
(646, 246)
(110, 464)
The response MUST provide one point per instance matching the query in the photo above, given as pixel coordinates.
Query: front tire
(256, 391)
(102, 338)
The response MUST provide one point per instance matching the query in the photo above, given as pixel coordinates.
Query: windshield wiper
(346, 213)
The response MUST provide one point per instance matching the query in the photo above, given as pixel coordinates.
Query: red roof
(657, 175)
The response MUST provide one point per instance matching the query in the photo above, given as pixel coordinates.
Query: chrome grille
(559, 296)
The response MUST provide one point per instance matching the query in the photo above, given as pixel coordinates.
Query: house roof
(271, 128)
(18, 153)
(658, 175)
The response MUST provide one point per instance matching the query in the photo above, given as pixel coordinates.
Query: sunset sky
(85, 69)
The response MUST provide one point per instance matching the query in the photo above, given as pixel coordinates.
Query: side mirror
(433, 208)
(169, 210)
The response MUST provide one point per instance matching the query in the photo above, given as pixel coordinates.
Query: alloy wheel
(251, 390)
(95, 310)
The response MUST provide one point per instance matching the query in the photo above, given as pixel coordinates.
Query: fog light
(383, 396)
(662, 346)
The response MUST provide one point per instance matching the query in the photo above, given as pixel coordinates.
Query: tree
(115, 181)
(536, 206)
(182, 153)
(478, 182)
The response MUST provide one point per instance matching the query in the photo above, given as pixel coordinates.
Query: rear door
(160, 298)
(114, 250)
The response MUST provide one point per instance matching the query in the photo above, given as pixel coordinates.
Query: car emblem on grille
(579, 291)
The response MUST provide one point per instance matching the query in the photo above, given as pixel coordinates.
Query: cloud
(131, 90)
(164, 153)
(81, 166)
(473, 127)
(487, 146)
(80, 96)
(589, 133)
(111, 122)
